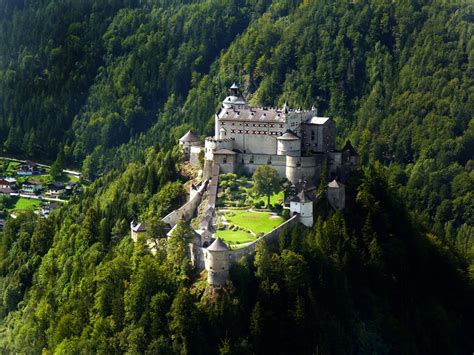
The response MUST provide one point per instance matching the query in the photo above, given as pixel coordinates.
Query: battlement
(214, 140)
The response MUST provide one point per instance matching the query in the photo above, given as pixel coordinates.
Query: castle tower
(188, 141)
(336, 195)
(289, 144)
(137, 230)
(234, 100)
(303, 205)
(217, 263)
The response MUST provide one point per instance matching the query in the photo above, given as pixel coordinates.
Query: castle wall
(252, 161)
(212, 145)
(194, 156)
(187, 210)
(226, 162)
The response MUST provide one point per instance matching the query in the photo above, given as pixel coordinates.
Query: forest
(109, 86)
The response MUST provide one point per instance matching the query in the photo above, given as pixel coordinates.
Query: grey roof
(256, 115)
(302, 197)
(288, 136)
(318, 120)
(139, 227)
(218, 245)
(335, 184)
(189, 137)
(234, 86)
(348, 146)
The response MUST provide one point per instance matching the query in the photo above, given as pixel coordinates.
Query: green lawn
(237, 237)
(274, 199)
(257, 222)
(26, 204)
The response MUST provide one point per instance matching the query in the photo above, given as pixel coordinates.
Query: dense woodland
(108, 86)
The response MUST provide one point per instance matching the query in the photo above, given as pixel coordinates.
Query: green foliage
(109, 85)
(266, 182)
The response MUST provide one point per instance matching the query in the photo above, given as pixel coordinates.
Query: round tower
(217, 263)
(293, 169)
(189, 140)
(289, 144)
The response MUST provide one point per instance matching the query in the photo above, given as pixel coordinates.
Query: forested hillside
(110, 85)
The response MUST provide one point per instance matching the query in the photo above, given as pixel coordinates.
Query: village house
(56, 188)
(29, 168)
(32, 186)
(8, 183)
(47, 208)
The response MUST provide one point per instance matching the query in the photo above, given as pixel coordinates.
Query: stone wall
(187, 210)
(252, 161)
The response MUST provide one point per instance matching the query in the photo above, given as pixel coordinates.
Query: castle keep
(298, 144)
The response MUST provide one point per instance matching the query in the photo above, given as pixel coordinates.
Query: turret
(188, 141)
(336, 195)
(234, 100)
(302, 204)
(289, 144)
(217, 263)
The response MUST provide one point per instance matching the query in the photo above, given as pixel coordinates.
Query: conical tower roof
(348, 146)
(189, 137)
(335, 184)
(218, 245)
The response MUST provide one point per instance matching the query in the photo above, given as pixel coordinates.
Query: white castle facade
(296, 143)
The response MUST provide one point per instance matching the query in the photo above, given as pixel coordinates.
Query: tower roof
(139, 227)
(317, 120)
(189, 137)
(234, 86)
(348, 146)
(288, 136)
(302, 197)
(218, 245)
(335, 184)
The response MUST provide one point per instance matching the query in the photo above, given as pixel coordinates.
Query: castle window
(233, 124)
(225, 160)
(312, 135)
(281, 126)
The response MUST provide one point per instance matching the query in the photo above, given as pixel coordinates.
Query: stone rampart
(187, 210)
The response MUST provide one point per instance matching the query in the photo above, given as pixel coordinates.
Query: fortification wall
(187, 210)
(252, 161)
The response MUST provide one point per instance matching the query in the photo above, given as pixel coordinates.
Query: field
(26, 204)
(235, 237)
(256, 222)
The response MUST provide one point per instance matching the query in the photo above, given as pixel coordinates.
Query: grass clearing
(26, 204)
(257, 222)
(235, 237)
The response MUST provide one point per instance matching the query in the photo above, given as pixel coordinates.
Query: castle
(298, 144)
